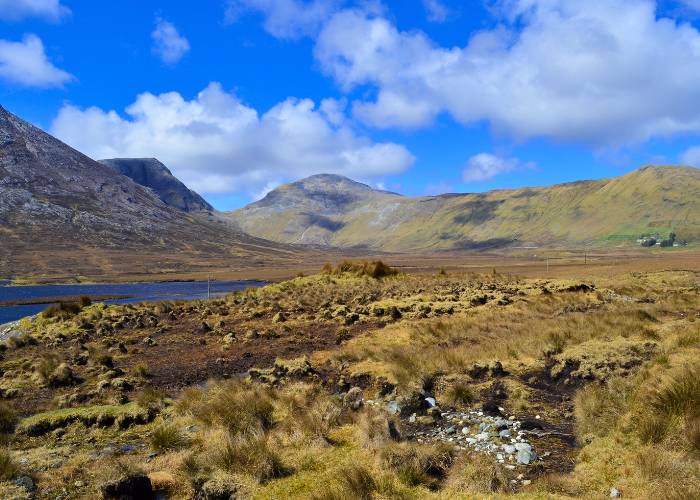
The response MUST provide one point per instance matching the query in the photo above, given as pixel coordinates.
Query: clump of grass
(8, 418)
(151, 399)
(46, 365)
(374, 269)
(598, 408)
(373, 428)
(167, 436)
(8, 467)
(64, 310)
(251, 454)
(309, 413)
(142, 370)
(236, 406)
(675, 400)
(459, 394)
(352, 481)
(477, 475)
(20, 341)
(418, 465)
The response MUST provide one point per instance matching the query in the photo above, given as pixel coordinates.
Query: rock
(353, 399)
(530, 425)
(133, 487)
(505, 433)
(431, 402)
(615, 493)
(26, 482)
(394, 312)
(525, 453)
(352, 318)
(425, 420)
(435, 412)
(509, 449)
(149, 341)
(217, 489)
(393, 408)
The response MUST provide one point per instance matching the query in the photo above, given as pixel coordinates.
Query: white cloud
(216, 144)
(605, 73)
(169, 45)
(25, 63)
(437, 11)
(691, 156)
(484, 166)
(692, 4)
(14, 10)
(285, 18)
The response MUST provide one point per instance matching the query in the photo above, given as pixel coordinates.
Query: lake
(134, 292)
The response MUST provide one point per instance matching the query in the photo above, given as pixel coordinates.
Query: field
(443, 376)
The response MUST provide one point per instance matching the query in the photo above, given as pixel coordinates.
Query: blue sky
(416, 96)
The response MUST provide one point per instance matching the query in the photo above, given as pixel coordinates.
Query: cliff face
(152, 174)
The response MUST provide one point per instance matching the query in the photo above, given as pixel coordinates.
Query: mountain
(62, 212)
(151, 173)
(336, 211)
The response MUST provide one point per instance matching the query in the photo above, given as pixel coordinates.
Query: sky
(421, 97)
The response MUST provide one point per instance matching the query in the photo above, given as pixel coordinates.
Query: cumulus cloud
(285, 18)
(691, 156)
(216, 144)
(437, 11)
(25, 63)
(168, 44)
(485, 166)
(692, 4)
(14, 10)
(563, 69)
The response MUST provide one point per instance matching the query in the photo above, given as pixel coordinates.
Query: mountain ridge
(61, 211)
(588, 212)
(153, 174)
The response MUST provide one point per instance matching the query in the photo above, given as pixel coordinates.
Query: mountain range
(62, 211)
(336, 211)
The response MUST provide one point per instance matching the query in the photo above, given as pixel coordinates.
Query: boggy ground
(359, 383)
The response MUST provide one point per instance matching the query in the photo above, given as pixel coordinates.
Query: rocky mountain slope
(335, 211)
(151, 173)
(61, 211)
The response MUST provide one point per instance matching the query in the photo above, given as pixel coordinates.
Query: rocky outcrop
(152, 174)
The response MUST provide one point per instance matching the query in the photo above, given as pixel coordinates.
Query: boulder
(217, 489)
(132, 487)
(353, 399)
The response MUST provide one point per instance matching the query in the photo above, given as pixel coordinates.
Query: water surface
(137, 292)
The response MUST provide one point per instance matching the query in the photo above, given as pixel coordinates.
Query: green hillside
(335, 211)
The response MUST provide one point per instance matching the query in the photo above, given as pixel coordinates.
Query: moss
(123, 415)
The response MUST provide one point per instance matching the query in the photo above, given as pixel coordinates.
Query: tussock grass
(418, 465)
(672, 407)
(167, 436)
(8, 467)
(8, 418)
(249, 453)
(374, 269)
(352, 481)
(237, 406)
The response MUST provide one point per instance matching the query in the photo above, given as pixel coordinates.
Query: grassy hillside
(605, 212)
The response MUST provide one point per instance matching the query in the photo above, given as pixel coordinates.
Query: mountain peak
(336, 211)
(153, 174)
